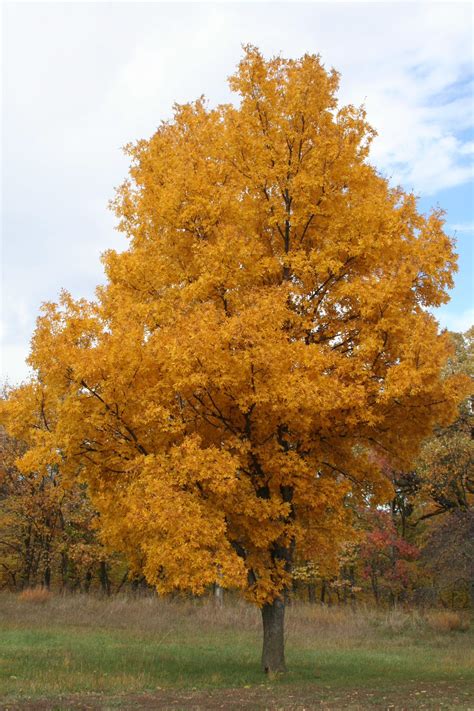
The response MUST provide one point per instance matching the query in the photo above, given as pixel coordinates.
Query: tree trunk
(375, 588)
(273, 654)
(64, 571)
(87, 580)
(352, 582)
(47, 577)
(104, 578)
(218, 595)
(122, 582)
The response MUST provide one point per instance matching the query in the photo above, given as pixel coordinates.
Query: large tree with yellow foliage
(265, 334)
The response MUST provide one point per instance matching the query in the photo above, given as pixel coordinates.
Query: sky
(80, 80)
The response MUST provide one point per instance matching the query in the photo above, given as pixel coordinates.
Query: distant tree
(449, 552)
(387, 559)
(267, 330)
(48, 527)
(442, 479)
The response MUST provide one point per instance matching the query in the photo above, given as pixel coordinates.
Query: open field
(81, 652)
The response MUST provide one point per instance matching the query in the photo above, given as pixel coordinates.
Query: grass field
(81, 652)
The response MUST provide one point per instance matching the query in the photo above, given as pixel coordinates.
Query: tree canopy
(264, 338)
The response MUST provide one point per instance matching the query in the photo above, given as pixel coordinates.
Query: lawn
(87, 652)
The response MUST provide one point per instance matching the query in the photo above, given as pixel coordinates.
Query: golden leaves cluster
(265, 332)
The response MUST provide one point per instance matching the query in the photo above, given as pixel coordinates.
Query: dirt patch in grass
(266, 698)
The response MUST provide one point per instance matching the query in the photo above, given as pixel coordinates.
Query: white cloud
(459, 322)
(13, 369)
(461, 227)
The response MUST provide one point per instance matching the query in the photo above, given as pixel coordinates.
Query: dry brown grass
(154, 615)
(448, 621)
(140, 614)
(36, 596)
(345, 626)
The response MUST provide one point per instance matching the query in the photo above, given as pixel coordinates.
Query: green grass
(84, 660)
(75, 645)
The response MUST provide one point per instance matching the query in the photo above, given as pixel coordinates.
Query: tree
(265, 332)
(387, 559)
(449, 552)
(48, 528)
(442, 478)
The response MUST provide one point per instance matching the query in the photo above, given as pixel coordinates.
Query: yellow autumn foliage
(264, 336)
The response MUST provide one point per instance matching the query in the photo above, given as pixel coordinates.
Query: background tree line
(418, 548)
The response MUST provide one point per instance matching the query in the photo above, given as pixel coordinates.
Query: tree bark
(218, 595)
(104, 578)
(273, 654)
(87, 580)
(47, 577)
(323, 591)
(64, 571)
